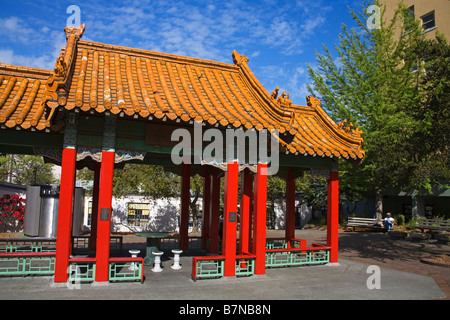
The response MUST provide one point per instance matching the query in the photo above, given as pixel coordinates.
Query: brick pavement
(378, 249)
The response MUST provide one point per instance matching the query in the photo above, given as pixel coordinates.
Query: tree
(25, 169)
(372, 85)
(430, 145)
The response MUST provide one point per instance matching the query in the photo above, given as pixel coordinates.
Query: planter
(443, 238)
(419, 236)
(398, 235)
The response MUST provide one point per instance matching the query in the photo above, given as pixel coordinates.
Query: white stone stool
(176, 259)
(157, 267)
(134, 254)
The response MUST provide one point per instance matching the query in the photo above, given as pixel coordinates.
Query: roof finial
(239, 59)
(77, 31)
(312, 101)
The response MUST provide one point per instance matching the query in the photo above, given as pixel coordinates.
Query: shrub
(12, 212)
(400, 220)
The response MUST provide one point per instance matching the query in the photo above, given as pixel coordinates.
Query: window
(409, 19)
(428, 21)
(138, 214)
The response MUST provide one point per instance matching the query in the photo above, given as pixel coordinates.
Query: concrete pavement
(348, 280)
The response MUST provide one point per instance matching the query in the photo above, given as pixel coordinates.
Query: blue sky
(279, 37)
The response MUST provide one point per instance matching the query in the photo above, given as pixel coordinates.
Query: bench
(433, 224)
(365, 223)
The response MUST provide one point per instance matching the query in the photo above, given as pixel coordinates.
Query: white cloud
(10, 57)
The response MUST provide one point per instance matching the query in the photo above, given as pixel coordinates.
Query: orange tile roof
(98, 77)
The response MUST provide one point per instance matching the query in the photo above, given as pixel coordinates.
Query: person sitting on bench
(389, 222)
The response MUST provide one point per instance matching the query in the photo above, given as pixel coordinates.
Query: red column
(94, 211)
(206, 208)
(104, 217)
(244, 221)
(185, 200)
(333, 215)
(290, 205)
(215, 214)
(259, 219)
(64, 232)
(230, 218)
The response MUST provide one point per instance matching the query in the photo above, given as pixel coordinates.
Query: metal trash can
(49, 211)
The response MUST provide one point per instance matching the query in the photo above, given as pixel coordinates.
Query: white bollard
(157, 267)
(176, 259)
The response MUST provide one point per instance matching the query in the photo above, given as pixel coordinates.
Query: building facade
(433, 14)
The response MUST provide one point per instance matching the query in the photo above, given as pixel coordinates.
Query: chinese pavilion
(103, 105)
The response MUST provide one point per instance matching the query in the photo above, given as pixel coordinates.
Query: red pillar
(333, 216)
(230, 218)
(215, 214)
(290, 205)
(206, 208)
(104, 217)
(94, 210)
(64, 232)
(244, 221)
(185, 200)
(259, 219)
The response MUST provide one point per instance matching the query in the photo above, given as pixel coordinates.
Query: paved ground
(402, 276)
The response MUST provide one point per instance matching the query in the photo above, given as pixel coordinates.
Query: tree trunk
(379, 204)
(194, 213)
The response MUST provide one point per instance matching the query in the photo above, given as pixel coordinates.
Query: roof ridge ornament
(313, 102)
(239, 59)
(76, 31)
(55, 93)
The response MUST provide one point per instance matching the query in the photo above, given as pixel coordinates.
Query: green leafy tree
(430, 145)
(25, 169)
(372, 85)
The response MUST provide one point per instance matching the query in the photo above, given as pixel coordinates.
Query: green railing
(194, 243)
(245, 265)
(318, 254)
(213, 266)
(207, 267)
(80, 269)
(79, 243)
(293, 252)
(126, 269)
(28, 245)
(120, 269)
(27, 263)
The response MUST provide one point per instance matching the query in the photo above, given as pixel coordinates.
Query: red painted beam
(104, 216)
(259, 219)
(230, 218)
(215, 212)
(64, 231)
(185, 201)
(244, 221)
(94, 210)
(206, 208)
(333, 216)
(290, 205)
